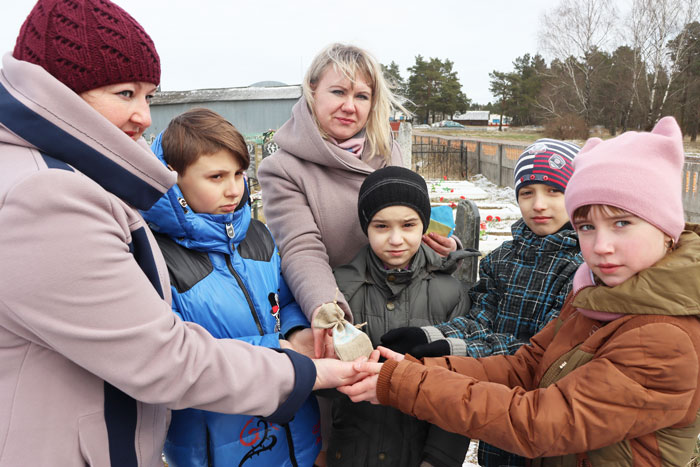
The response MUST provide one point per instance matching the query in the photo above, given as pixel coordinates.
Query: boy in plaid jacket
(522, 284)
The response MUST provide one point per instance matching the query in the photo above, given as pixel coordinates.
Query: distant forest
(622, 72)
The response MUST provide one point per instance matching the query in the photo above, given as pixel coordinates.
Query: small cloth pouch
(348, 341)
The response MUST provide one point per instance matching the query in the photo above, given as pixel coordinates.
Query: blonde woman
(338, 134)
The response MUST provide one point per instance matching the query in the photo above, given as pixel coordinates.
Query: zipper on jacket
(290, 445)
(247, 295)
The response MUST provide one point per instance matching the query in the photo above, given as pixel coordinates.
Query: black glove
(402, 340)
(434, 349)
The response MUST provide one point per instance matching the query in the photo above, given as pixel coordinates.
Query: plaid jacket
(522, 286)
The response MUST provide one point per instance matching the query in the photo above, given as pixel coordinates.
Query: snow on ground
(497, 207)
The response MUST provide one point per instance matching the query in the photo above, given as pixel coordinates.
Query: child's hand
(302, 341)
(332, 373)
(404, 339)
(441, 244)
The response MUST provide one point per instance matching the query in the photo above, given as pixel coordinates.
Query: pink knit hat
(637, 172)
(86, 44)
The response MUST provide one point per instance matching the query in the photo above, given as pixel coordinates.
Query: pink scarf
(584, 278)
(353, 145)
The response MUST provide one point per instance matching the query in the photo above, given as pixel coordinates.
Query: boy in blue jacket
(522, 284)
(225, 273)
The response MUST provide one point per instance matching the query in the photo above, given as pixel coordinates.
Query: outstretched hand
(332, 373)
(365, 389)
(323, 340)
(442, 245)
(404, 339)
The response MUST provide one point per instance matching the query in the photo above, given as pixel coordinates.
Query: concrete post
(467, 223)
(405, 140)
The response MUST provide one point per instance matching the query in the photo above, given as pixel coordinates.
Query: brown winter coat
(621, 393)
(310, 190)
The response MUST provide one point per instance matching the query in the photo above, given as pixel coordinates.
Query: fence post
(478, 157)
(500, 165)
(467, 228)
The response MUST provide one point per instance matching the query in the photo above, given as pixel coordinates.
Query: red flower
(441, 198)
(489, 218)
(498, 219)
(452, 190)
(453, 205)
(483, 226)
(463, 197)
(444, 177)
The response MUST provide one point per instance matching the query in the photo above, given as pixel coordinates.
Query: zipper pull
(183, 203)
(273, 298)
(229, 230)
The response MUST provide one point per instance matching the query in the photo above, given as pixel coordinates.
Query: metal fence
(457, 159)
(436, 157)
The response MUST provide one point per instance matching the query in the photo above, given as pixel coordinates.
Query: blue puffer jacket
(225, 275)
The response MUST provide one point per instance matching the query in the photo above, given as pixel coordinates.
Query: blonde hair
(352, 61)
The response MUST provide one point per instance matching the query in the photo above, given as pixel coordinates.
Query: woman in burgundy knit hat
(91, 355)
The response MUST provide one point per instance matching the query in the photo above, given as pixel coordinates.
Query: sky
(227, 43)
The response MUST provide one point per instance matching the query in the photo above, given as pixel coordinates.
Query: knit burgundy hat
(637, 172)
(86, 44)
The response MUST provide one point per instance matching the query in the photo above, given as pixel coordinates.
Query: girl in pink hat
(615, 380)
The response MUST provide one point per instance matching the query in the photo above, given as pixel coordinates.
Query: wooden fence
(435, 157)
(691, 197)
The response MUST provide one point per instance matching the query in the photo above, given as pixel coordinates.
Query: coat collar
(50, 117)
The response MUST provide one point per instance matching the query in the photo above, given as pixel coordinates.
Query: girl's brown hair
(200, 132)
(582, 213)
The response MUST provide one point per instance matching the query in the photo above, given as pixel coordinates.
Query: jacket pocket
(92, 438)
(345, 451)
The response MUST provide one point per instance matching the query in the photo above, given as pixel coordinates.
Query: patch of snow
(497, 207)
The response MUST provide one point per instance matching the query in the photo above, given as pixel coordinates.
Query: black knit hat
(391, 186)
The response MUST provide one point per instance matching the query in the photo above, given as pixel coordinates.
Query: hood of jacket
(38, 111)
(565, 239)
(300, 137)
(172, 216)
(669, 287)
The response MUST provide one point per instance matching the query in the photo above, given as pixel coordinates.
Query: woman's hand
(441, 244)
(323, 340)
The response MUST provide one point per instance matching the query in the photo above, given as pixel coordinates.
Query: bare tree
(573, 32)
(651, 25)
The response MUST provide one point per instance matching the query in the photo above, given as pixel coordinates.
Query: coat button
(381, 456)
(390, 306)
(391, 278)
